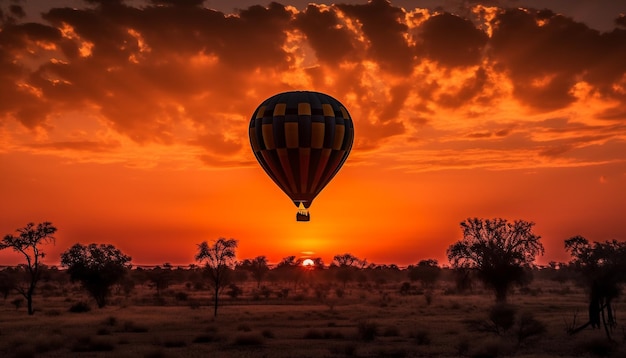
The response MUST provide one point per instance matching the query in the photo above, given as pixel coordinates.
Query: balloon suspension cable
(303, 213)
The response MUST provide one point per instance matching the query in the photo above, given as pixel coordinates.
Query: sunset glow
(127, 123)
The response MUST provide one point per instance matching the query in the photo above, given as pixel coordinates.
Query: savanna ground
(369, 320)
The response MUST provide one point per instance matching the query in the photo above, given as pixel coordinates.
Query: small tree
(603, 267)
(346, 266)
(28, 242)
(219, 259)
(426, 272)
(160, 277)
(348, 260)
(290, 269)
(499, 251)
(8, 282)
(257, 266)
(96, 267)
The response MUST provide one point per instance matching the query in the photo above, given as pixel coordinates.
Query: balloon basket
(303, 213)
(300, 216)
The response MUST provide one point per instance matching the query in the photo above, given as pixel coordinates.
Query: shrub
(598, 346)
(428, 296)
(52, 313)
(181, 296)
(391, 331)
(405, 288)
(204, 338)
(313, 334)
(248, 339)
(266, 292)
(130, 326)
(488, 349)
(421, 337)
(79, 307)
(267, 333)
(339, 292)
(391, 352)
(93, 344)
(24, 352)
(44, 343)
(528, 327)
(155, 354)
(348, 350)
(234, 291)
(244, 327)
(502, 316)
(174, 343)
(284, 293)
(462, 346)
(194, 304)
(367, 331)
(18, 302)
(110, 321)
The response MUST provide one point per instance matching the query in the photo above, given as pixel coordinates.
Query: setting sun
(308, 262)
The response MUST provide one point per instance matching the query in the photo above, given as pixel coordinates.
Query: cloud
(83, 146)
(179, 74)
(384, 31)
(452, 41)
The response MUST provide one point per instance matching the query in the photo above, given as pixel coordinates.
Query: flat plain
(358, 319)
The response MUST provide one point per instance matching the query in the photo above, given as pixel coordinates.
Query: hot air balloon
(301, 139)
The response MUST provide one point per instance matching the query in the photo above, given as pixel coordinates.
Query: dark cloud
(545, 54)
(384, 27)
(332, 42)
(452, 41)
(17, 11)
(147, 70)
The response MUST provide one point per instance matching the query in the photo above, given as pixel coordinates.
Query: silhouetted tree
(603, 267)
(498, 250)
(318, 263)
(348, 260)
(290, 269)
(96, 267)
(257, 266)
(426, 272)
(28, 242)
(463, 279)
(346, 266)
(219, 259)
(160, 277)
(8, 281)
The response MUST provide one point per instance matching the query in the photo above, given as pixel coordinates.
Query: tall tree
(257, 266)
(219, 259)
(498, 250)
(96, 267)
(28, 242)
(603, 267)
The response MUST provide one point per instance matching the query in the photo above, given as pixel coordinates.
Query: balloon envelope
(301, 139)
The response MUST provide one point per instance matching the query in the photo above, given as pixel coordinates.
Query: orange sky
(127, 124)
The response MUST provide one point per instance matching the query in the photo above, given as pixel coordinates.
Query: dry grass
(363, 323)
